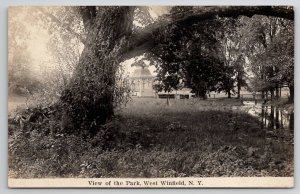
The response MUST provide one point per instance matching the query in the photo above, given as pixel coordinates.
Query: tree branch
(142, 41)
(60, 23)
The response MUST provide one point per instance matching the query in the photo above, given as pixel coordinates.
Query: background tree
(192, 54)
(267, 40)
(232, 52)
(21, 79)
(66, 39)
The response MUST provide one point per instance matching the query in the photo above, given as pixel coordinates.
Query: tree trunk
(229, 94)
(263, 94)
(277, 124)
(239, 80)
(277, 91)
(262, 117)
(201, 94)
(291, 97)
(238, 90)
(271, 124)
(272, 93)
(168, 103)
(88, 100)
(291, 125)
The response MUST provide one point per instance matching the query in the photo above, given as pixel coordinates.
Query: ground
(147, 138)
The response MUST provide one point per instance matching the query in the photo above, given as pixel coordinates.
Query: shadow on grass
(149, 139)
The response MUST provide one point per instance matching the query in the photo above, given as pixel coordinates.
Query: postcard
(151, 96)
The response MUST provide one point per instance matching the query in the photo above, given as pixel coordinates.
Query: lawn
(15, 103)
(147, 138)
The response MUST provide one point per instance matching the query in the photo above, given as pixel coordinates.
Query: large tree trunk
(88, 100)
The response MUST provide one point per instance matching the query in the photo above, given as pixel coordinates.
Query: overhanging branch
(142, 41)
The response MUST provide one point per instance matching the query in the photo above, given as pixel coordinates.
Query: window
(143, 84)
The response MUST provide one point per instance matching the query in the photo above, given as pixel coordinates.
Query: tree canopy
(142, 41)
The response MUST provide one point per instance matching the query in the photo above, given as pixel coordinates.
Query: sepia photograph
(151, 96)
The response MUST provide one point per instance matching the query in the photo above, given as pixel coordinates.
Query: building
(142, 82)
(184, 93)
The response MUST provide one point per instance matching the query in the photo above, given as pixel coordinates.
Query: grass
(15, 103)
(147, 138)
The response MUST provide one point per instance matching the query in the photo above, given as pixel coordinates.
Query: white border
(213, 182)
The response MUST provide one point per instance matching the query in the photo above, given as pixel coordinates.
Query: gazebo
(142, 82)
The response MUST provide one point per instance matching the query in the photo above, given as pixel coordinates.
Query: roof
(142, 72)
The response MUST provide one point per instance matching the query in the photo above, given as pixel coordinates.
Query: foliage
(189, 57)
(43, 87)
(142, 18)
(21, 79)
(271, 54)
(256, 45)
(204, 75)
(232, 51)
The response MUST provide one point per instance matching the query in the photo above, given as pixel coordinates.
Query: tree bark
(88, 99)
